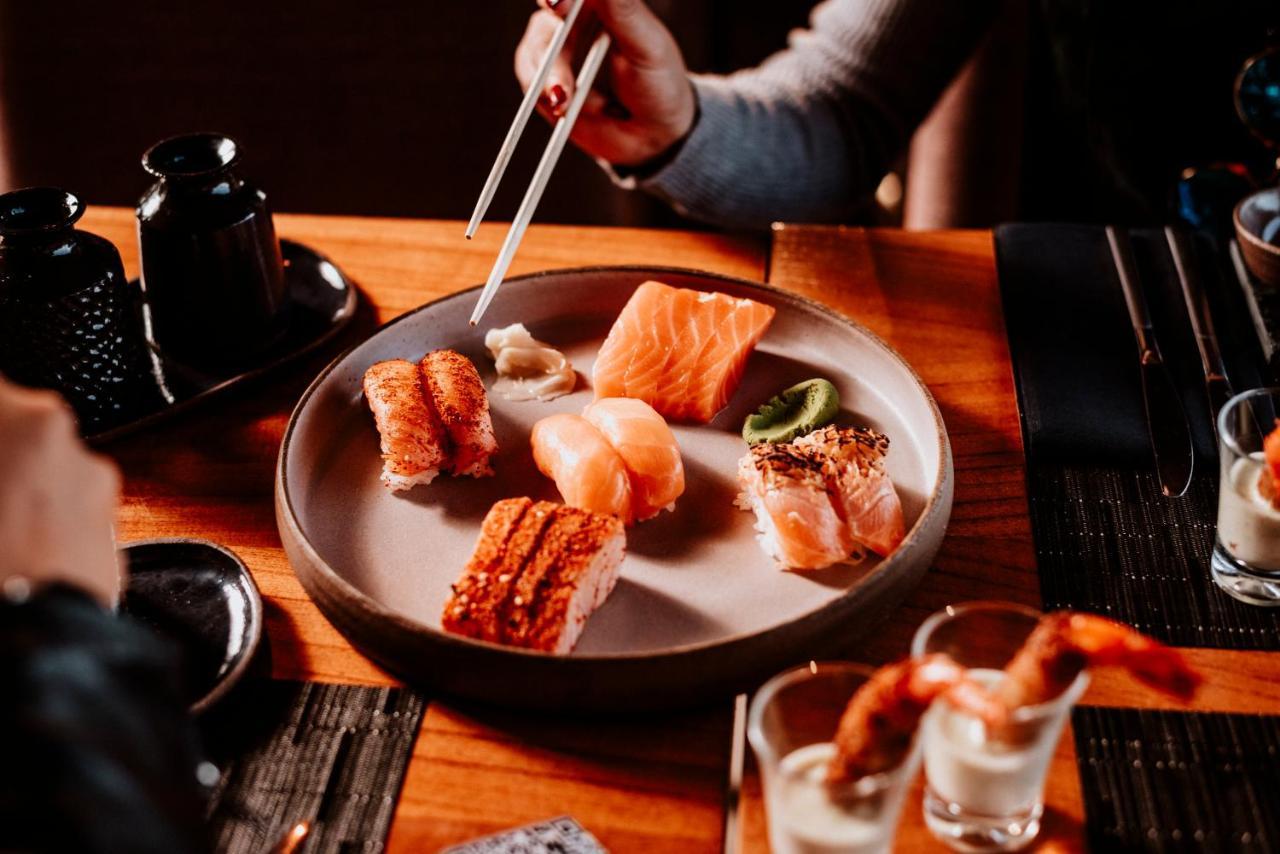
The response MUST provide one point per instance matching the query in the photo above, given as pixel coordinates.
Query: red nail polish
(556, 96)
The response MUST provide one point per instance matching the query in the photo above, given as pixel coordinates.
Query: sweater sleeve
(808, 135)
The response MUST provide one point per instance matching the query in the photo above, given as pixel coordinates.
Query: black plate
(322, 300)
(201, 597)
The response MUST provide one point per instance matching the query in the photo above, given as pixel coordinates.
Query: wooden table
(655, 784)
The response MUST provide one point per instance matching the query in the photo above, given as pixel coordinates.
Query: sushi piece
(648, 450)
(853, 463)
(797, 523)
(536, 591)
(587, 470)
(415, 445)
(681, 351)
(430, 416)
(458, 394)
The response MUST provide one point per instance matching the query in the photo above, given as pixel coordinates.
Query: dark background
(381, 108)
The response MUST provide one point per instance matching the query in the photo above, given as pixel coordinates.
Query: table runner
(333, 755)
(1171, 781)
(1106, 539)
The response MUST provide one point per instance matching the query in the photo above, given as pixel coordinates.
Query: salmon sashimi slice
(478, 593)
(587, 470)
(863, 494)
(415, 445)
(460, 401)
(646, 371)
(648, 449)
(797, 523)
(538, 572)
(681, 351)
(723, 358)
(627, 339)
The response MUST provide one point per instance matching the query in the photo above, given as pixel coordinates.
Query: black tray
(322, 301)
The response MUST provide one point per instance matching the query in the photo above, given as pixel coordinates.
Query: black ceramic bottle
(211, 266)
(68, 318)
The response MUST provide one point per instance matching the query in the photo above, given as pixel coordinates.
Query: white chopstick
(522, 118)
(559, 136)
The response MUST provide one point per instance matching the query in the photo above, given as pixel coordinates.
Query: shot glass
(792, 720)
(985, 793)
(1246, 556)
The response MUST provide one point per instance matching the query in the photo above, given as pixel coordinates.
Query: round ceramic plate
(699, 610)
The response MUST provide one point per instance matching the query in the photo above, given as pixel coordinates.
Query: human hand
(57, 500)
(641, 105)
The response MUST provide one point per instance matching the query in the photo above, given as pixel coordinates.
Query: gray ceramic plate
(700, 610)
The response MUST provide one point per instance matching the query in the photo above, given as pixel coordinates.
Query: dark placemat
(1175, 781)
(1106, 539)
(333, 755)
(561, 835)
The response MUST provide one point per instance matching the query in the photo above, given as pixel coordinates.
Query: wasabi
(799, 410)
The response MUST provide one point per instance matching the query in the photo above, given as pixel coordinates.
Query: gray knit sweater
(807, 135)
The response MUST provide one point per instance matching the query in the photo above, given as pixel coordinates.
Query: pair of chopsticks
(555, 146)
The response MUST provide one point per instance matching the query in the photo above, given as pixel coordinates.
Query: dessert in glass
(1246, 556)
(837, 749)
(985, 774)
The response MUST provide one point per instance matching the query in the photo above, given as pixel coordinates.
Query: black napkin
(1073, 346)
(1178, 781)
(331, 755)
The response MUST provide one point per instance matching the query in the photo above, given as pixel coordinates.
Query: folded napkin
(1072, 343)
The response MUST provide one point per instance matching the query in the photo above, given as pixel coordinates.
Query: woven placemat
(1175, 781)
(1109, 542)
(332, 755)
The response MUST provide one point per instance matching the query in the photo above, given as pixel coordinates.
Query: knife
(1216, 382)
(1166, 419)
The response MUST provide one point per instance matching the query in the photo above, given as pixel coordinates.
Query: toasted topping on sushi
(458, 393)
(538, 572)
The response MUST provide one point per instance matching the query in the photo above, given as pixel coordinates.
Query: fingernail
(556, 96)
(551, 4)
(615, 110)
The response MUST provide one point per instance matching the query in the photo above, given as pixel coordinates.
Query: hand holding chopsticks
(555, 146)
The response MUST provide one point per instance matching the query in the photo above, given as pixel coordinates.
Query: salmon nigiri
(797, 523)
(853, 462)
(587, 470)
(681, 351)
(648, 450)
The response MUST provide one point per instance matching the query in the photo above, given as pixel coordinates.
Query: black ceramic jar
(68, 318)
(211, 266)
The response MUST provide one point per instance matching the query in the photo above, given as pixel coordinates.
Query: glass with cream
(1246, 557)
(792, 720)
(985, 790)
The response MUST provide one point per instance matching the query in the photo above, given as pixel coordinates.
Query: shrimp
(1065, 643)
(879, 724)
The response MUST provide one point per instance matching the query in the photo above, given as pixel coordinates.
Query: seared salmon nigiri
(588, 471)
(785, 487)
(458, 393)
(415, 445)
(853, 462)
(648, 450)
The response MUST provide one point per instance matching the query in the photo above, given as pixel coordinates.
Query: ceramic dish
(199, 596)
(321, 302)
(700, 610)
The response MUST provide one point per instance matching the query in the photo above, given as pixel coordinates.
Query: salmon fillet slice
(679, 350)
(460, 400)
(414, 443)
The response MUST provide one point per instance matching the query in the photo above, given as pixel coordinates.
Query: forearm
(809, 134)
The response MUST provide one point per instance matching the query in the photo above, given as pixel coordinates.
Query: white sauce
(803, 819)
(984, 777)
(527, 368)
(1248, 526)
